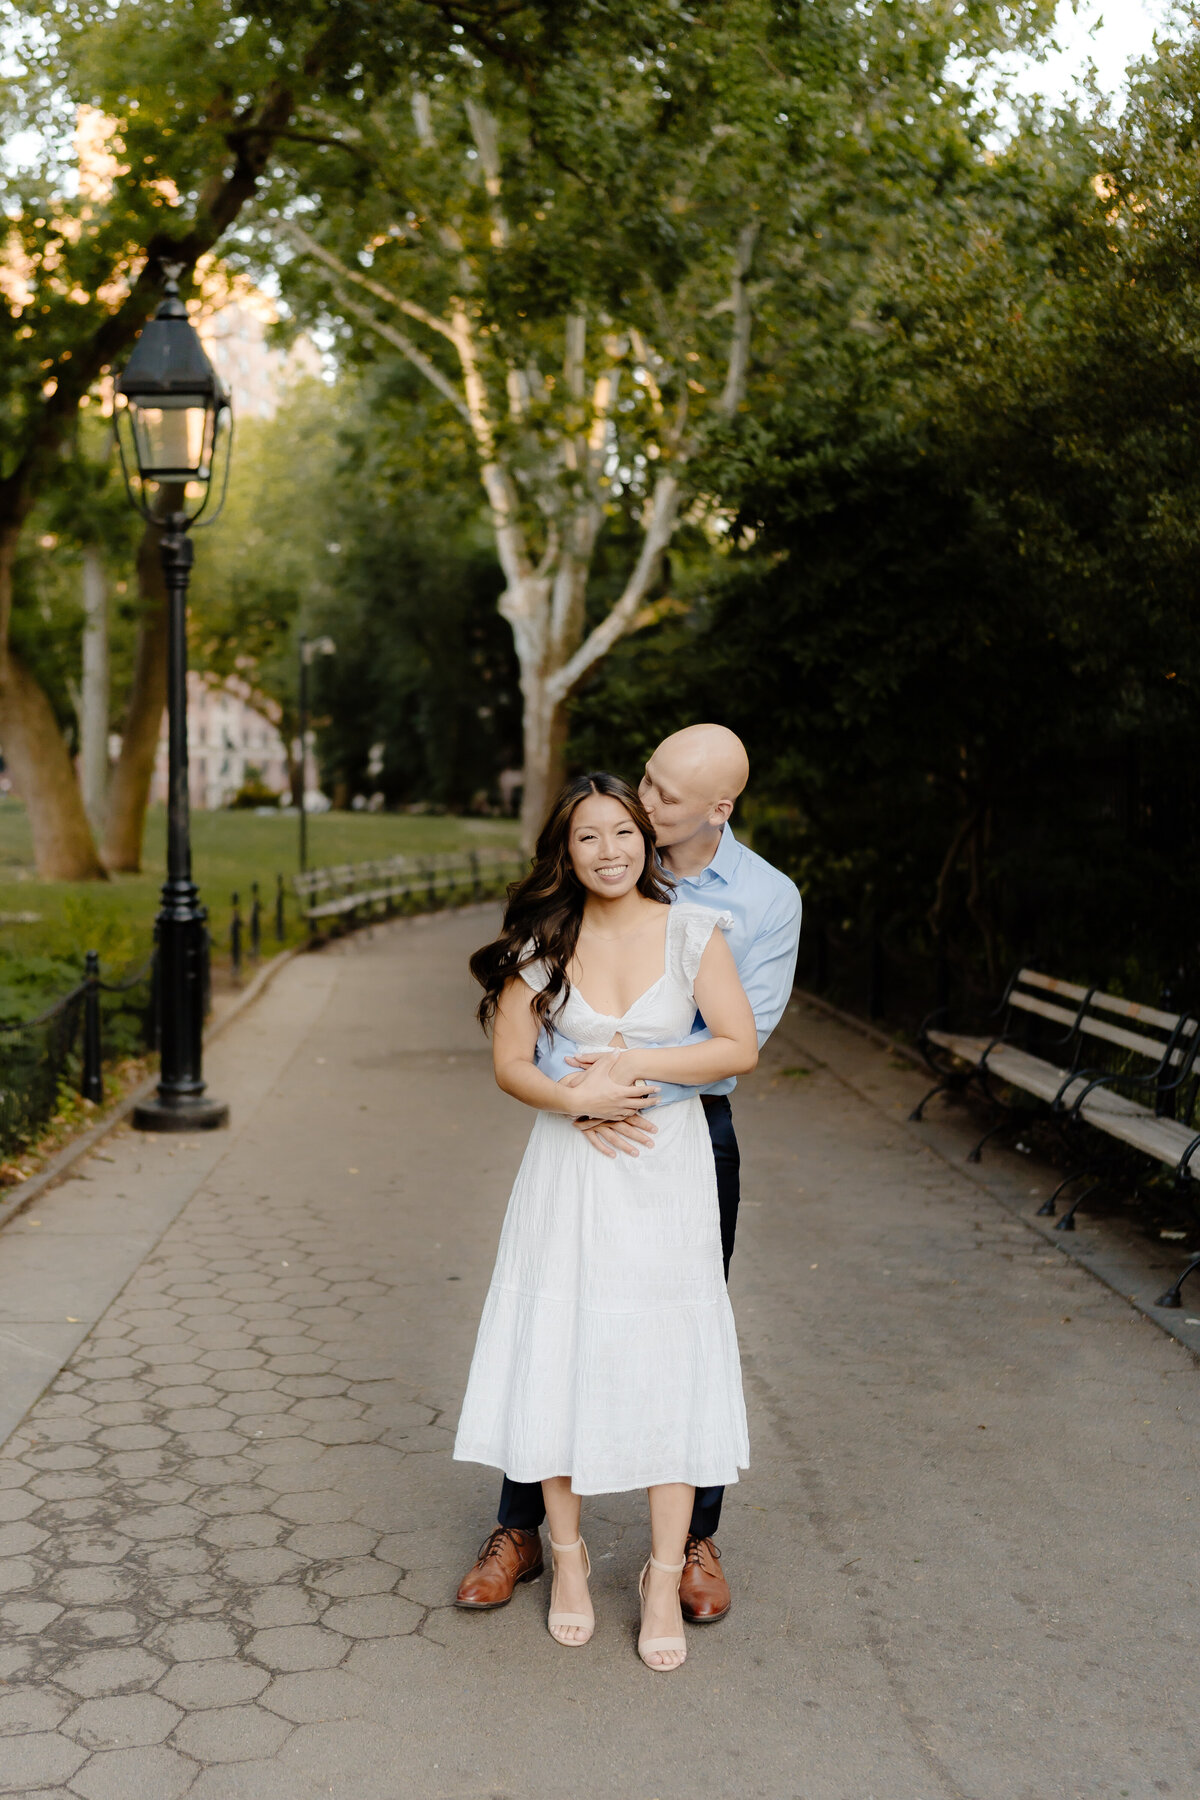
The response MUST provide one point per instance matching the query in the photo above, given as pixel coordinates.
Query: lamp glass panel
(173, 437)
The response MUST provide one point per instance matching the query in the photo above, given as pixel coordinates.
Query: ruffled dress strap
(688, 931)
(535, 974)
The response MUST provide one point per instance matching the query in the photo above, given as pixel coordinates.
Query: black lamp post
(309, 647)
(174, 405)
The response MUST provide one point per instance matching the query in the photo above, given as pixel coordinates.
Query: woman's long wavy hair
(545, 909)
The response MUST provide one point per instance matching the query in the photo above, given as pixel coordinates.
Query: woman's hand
(604, 1094)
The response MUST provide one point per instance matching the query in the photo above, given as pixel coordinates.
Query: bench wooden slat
(1027, 1003)
(1034, 978)
(1133, 1009)
(1151, 1048)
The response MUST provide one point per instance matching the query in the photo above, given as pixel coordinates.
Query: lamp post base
(183, 1114)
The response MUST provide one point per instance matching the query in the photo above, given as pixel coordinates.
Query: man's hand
(610, 1135)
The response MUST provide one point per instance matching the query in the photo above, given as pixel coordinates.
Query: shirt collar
(723, 864)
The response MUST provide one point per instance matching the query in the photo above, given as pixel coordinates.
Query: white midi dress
(607, 1349)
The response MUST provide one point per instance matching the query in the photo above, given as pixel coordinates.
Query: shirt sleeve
(768, 969)
(551, 1054)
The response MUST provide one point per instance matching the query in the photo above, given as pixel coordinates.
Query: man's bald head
(710, 757)
(691, 783)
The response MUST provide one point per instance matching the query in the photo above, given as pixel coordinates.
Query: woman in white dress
(607, 1357)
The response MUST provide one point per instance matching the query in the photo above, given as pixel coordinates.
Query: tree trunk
(93, 710)
(545, 731)
(37, 757)
(129, 791)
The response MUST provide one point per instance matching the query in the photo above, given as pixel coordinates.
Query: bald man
(689, 789)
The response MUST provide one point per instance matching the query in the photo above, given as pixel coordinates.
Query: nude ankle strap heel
(648, 1645)
(556, 1620)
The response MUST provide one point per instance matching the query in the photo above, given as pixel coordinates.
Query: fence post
(255, 923)
(279, 909)
(92, 1085)
(235, 939)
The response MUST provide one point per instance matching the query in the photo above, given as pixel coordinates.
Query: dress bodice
(666, 1011)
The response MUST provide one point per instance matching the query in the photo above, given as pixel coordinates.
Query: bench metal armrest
(1096, 1080)
(1182, 1171)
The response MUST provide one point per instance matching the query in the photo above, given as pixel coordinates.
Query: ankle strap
(667, 1568)
(574, 1546)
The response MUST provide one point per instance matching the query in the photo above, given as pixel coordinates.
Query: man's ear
(720, 812)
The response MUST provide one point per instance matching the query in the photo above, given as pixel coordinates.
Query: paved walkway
(230, 1529)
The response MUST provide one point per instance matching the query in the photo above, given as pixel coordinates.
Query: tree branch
(739, 336)
(344, 272)
(397, 339)
(663, 509)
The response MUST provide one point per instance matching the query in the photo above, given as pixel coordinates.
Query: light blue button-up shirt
(765, 937)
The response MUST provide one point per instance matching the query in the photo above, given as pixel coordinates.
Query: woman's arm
(733, 1047)
(514, 1040)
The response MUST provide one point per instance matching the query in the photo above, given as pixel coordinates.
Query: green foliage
(960, 632)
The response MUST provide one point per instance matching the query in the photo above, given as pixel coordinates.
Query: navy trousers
(521, 1504)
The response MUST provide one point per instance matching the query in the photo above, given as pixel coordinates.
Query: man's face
(676, 807)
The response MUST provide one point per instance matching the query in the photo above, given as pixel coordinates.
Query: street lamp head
(171, 408)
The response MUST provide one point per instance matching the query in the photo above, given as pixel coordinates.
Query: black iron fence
(62, 1051)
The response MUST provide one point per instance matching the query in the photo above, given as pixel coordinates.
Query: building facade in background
(229, 744)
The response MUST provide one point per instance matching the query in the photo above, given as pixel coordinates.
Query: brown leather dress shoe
(703, 1590)
(505, 1557)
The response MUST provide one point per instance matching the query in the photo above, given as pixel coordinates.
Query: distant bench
(352, 893)
(1118, 1066)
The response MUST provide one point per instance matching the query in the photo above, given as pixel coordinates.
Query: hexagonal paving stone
(197, 1418)
(322, 1542)
(182, 1556)
(356, 1576)
(93, 1546)
(18, 1573)
(195, 1640)
(162, 1522)
(379, 1615)
(37, 1760)
(244, 1531)
(291, 1647)
(19, 1538)
(152, 1772)
(303, 1387)
(284, 1605)
(91, 1586)
(16, 1503)
(122, 1721)
(201, 1685)
(342, 1431)
(261, 1568)
(270, 1453)
(118, 1671)
(322, 1506)
(68, 1487)
(232, 1734)
(20, 1617)
(310, 1697)
(108, 1623)
(30, 1709)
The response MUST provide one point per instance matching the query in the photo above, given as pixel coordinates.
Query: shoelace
(491, 1545)
(695, 1549)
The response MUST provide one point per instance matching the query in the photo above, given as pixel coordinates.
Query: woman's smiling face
(607, 850)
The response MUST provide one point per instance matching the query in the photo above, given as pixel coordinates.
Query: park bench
(351, 893)
(1085, 1057)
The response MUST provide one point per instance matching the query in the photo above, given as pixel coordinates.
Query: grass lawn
(41, 957)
